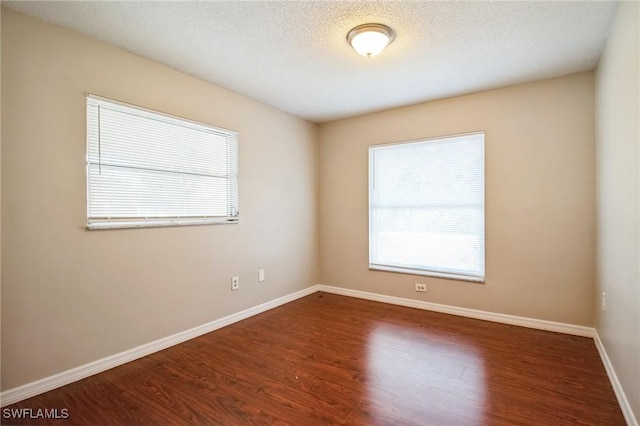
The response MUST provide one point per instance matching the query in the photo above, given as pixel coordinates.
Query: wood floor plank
(329, 359)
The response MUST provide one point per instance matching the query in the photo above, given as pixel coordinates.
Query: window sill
(127, 224)
(448, 276)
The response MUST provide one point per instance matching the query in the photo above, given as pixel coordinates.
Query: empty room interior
(239, 212)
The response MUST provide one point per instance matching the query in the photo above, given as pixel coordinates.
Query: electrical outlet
(235, 283)
(421, 287)
(260, 275)
(603, 301)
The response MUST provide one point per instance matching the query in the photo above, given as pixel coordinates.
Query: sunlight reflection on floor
(421, 374)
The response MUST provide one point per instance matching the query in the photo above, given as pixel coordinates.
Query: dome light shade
(370, 39)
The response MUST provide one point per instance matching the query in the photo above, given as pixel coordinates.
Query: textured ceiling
(294, 55)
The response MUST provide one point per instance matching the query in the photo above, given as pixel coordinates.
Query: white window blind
(145, 168)
(426, 207)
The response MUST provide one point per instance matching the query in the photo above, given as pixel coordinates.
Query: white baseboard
(505, 319)
(29, 390)
(615, 383)
(11, 396)
(558, 327)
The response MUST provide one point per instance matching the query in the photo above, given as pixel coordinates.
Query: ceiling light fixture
(370, 39)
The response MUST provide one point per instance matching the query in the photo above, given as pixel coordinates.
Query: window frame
(96, 222)
(432, 272)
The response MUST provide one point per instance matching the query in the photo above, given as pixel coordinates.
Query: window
(145, 168)
(426, 207)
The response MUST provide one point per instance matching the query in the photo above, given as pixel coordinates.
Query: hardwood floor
(328, 359)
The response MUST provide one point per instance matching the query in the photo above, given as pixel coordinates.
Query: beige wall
(540, 198)
(71, 296)
(0, 192)
(618, 183)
